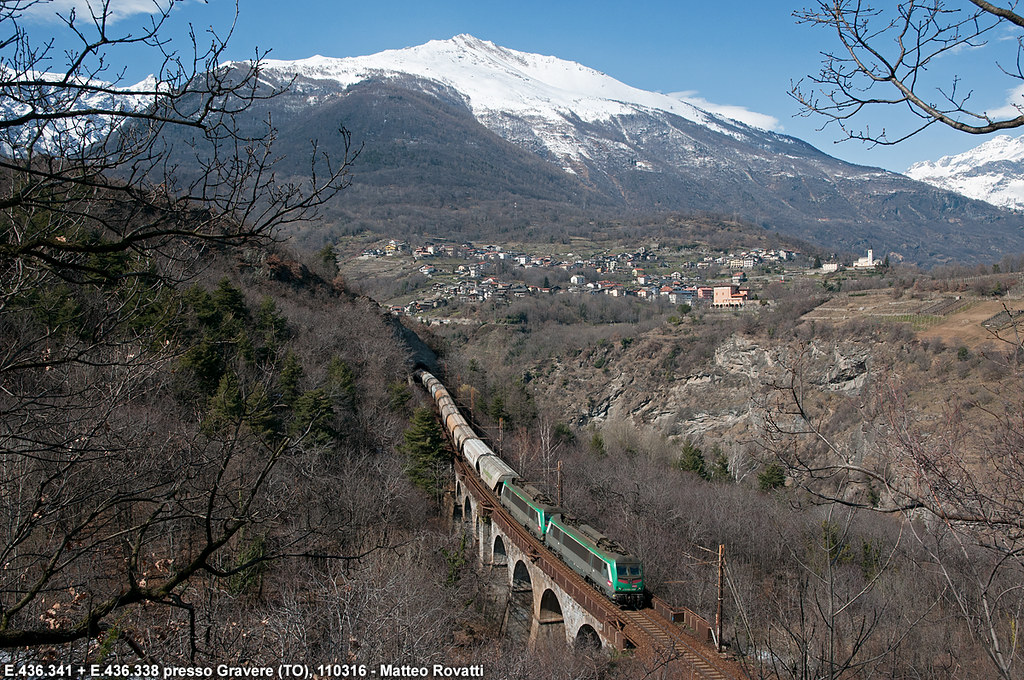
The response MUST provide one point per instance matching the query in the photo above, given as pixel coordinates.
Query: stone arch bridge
(548, 602)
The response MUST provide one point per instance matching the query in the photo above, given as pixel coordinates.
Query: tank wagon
(599, 559)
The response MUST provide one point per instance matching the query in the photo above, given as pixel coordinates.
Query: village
(674, 275)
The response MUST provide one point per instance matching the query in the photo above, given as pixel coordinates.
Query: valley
(703, 337)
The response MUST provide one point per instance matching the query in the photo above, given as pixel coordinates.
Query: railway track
(676, 650)
(656, 639)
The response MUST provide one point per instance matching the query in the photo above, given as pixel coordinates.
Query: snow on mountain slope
(52, 132)
(551, 94)
(992, 172)
(495, 78)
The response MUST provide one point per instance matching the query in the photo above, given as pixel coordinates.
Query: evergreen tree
(229, 300)
(425, 449)
(773, 477)
(274, 327)
(329, 258)
(313, 415)
(289, 378)
(719, 466)
(226, 406)
(692, 460)
(496, 409)
(341, 382)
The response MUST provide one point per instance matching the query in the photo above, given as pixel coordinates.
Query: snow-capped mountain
(462, 136)
(51, 132)
(993, 172)
(504, 88)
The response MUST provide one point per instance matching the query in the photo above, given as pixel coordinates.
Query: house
(395, 247)
(682, 296)
(729, 296)
(615, 290)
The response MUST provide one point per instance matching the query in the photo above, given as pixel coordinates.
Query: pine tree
(289, 378)
(425, 449)
(720, 466)
(313, 413)
(226, 406)
(773, 477)
(341, 383)
(692, 460)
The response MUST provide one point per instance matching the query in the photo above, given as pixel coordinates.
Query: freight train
(597, 558)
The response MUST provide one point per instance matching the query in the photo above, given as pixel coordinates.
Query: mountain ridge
(465, 137)
(623, 151)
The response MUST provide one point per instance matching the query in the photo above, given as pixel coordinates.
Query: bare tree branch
(886, 58)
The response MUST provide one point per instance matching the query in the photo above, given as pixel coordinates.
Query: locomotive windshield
(628, 570)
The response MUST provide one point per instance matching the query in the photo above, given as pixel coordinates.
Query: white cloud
(740, 113)
(1013, 107)
(117, 9)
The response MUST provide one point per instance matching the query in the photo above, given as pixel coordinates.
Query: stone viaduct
(539, 607)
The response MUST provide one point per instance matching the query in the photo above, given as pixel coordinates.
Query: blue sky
(743, 55)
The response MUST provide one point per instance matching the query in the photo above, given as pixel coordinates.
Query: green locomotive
(599, 559)
(529, 506)
(588, 552)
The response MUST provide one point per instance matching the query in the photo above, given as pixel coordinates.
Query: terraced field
(955, 319)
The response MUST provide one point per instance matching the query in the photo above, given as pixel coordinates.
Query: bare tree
(885, 58)
(957, 481)
(112, 495)
(86, 165)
